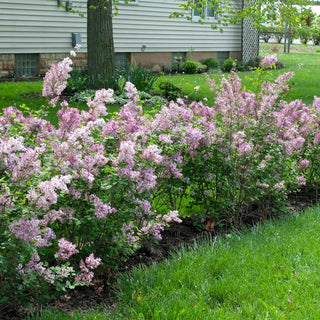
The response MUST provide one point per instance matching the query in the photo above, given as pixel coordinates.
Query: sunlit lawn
(305, 65)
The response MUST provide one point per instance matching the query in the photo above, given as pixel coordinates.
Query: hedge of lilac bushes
(77, 198)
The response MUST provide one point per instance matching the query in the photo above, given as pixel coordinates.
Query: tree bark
(100, 43)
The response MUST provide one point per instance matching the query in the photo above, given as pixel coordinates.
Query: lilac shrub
(78, 198)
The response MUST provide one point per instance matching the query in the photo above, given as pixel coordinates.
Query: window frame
(130, 3)
(203, 17)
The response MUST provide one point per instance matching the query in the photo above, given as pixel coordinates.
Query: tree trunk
(100, 43)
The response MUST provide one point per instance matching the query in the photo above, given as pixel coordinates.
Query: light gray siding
(148, 24)
(40, 26)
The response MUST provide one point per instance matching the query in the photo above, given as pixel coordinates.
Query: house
(34, 34)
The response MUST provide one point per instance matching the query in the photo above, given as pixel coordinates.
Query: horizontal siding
(148, 24)
(40, 26)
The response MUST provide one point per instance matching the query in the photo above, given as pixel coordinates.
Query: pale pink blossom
(66, 249)
(172, 216)
(154, 230)
(301, 180)
(263, 184)
(152, 153)
(279, 185)
(269, 60)
(92, 262)
(55, 80)
(304, 164)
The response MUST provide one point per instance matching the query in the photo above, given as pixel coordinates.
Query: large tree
(101, 56)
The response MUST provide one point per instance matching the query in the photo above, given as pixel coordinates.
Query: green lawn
(305, 64)
(18, 93)
(268, 272)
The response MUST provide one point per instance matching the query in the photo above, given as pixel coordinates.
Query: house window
(222, 56)
(128, 2)
(204, 13)
(121, 61)
(26, 65)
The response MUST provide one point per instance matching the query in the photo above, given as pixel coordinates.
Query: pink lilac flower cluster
(269, 60)
(66, 249)
(172, 216)
(35, 264)
(101, 209)
(30, 230)
(55, 80)
(86, 275)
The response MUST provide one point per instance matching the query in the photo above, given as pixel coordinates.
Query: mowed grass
(19, 93)
(268, 272)
(304, 61)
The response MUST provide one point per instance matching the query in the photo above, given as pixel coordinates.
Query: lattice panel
(250, 39)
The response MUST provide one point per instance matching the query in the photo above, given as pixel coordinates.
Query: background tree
(281, 12)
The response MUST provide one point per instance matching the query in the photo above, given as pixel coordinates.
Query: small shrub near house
(77, 82)
(192, 67)
(170, 91)
(189, 67)
(142, 78)
(211, 63)
(228, 65)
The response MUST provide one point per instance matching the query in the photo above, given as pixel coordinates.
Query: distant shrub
(279, 65)
(240, 66)
(228, 65)
(156, 101)
(190, 67)
(83, 96)
(170, 91)
(211, 63)
(316, 36)
(305, 35)
(201, 67)
(265, 34)
(275, 48)
(253, 63)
